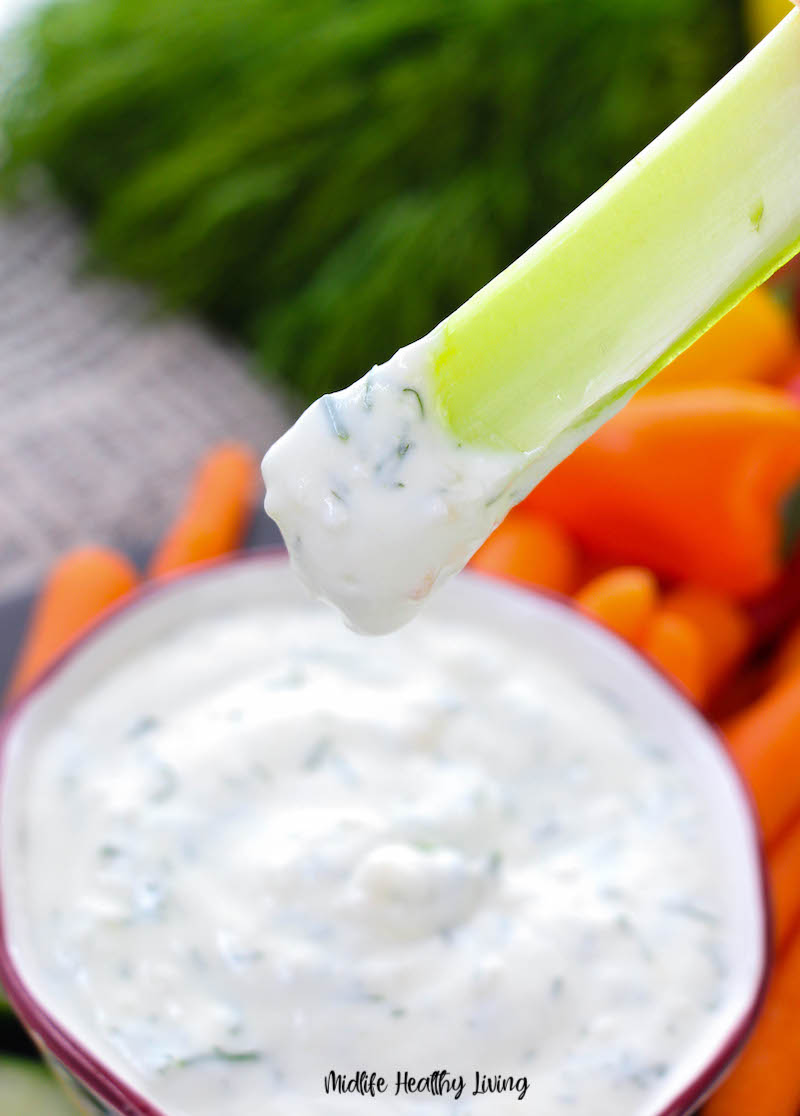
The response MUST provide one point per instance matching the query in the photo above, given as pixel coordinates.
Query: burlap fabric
(105, 406)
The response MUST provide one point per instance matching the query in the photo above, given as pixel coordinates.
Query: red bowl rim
(55, 1040)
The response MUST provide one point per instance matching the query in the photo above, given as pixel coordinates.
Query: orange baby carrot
(764, 742)
(784, 875)
(216, 514)
(80, 586)
(676, 644)
(624, 599)
(791, 381)
(724, 624)
(755, 341)
(766, 1079)
(530, 549)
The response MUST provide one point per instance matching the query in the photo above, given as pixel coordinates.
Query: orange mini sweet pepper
(692, 483)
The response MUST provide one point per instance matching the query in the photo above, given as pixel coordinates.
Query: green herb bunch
(327, 179)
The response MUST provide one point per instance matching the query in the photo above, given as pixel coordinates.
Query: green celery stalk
(559, 341)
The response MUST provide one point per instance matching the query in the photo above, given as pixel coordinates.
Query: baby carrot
(764, 742)
(624, 599)
(677, 645)
(792, 381)
(784, 875)
(766, 1079)
(216, 514)
(724, 624)
(793, 385)
(80, 586)
(532, 549)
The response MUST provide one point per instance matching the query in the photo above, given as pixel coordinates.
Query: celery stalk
(556, 343)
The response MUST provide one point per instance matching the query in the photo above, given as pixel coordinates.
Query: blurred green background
(327, 179)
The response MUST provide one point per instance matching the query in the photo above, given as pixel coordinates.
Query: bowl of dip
(251, 862)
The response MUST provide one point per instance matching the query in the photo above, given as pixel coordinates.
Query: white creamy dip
(260, 849)
(377, 502)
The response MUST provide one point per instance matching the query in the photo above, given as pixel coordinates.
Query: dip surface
(264, 849)
(377, 502)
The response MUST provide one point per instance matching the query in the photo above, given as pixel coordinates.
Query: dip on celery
(260, 849)
(377, 502)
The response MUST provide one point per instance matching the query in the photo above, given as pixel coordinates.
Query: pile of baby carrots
(84, 583)
(677, 525)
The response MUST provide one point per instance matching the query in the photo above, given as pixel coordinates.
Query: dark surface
(13, 619)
